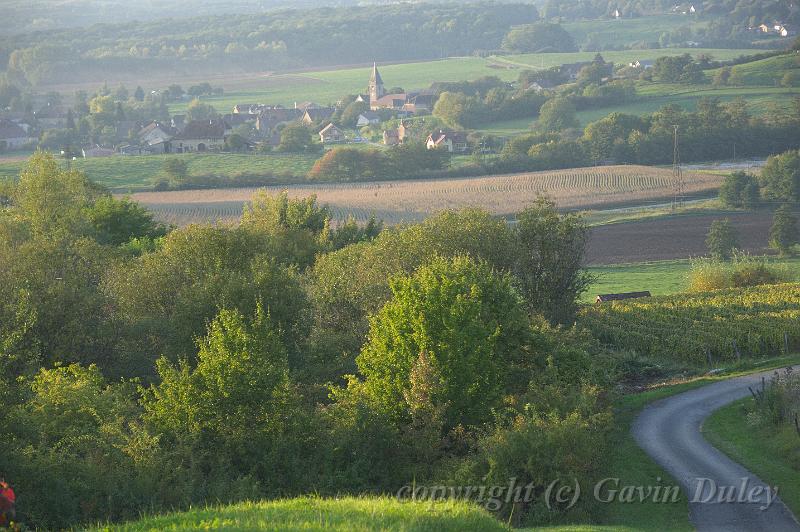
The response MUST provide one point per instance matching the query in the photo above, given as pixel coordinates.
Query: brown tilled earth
(673, 237)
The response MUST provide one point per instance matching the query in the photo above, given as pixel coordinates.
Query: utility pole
(66, 153)
(677, 174)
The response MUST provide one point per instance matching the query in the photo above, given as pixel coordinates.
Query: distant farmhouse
(13, 136)
(452, 141)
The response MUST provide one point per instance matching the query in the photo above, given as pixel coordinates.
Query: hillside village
(442, 116)
(258, 126)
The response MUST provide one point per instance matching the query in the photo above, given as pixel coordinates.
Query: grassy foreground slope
(308, 513)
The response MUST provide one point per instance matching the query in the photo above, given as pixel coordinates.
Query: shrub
(741, 272)
(721, 240)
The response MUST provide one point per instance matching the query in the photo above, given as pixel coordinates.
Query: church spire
(376, 89)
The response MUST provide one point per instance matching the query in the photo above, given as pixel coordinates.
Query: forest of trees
(143, 369)
(281, 39)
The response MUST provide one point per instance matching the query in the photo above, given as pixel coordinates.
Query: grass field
(765, 453)
(660, 278)
(127, 173)
(325, 87)
(410, 200)
(768, 71)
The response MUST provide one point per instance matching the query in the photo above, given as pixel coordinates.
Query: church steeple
(376, 89)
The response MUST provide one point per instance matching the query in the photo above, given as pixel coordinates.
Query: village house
(317, 114)
(644, 64)
(368, 118)
(200, 136)
(156, 136)
(245, 108)
(13, 136)
(452, 141)
(330, 134)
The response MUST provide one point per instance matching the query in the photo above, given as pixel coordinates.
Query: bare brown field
(674, 237)
(410, 200)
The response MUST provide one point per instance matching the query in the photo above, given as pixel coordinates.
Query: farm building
(452, 141)
(330, 134)
(200, 135)
(13, 136)
(604, 298)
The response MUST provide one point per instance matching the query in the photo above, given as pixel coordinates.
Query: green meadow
(327, 87)
(660, 277)
(123, 173)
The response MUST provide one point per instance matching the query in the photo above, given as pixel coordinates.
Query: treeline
(144, 371)
(470, 104)
(711, 132)
(281, 39)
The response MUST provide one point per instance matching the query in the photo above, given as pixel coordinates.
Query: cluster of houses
(775, 29)
(180, 135)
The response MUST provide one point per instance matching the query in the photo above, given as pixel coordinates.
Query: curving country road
(669, 431)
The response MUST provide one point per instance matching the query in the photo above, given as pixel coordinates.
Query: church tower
(376, 89)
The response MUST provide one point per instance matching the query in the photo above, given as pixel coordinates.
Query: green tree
(550, 254)
(784, 234)
(296, 137)
(116, 221)
(721, 240)
(138, 94)
(740, 189)
(557, 114)
(780, 177)
(197, 110)
(73, 450)
(51, 200)
(463, 318)
(539, 37)
(176, 170)
(349, 116)
(238, 391)
(236, 143)
(458, 110)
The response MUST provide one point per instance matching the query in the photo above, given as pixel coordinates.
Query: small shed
(604, 298)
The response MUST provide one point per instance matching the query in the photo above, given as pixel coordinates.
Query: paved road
(669, 431)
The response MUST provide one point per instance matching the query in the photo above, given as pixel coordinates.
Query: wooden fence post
(708, 357)
(737, 352)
